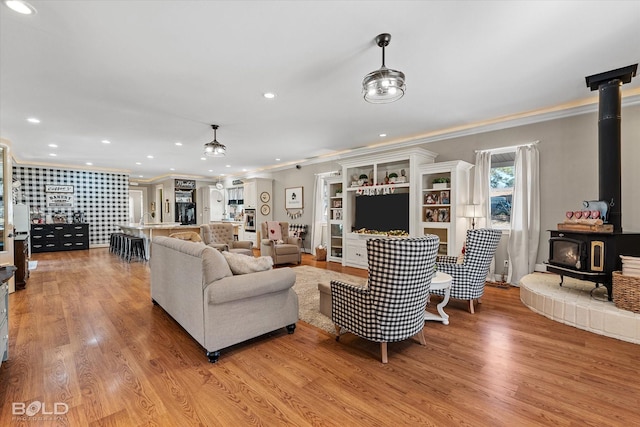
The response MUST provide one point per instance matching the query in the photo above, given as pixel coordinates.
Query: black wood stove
(594, 256)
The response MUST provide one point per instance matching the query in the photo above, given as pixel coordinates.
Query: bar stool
(114, 240)
(136, 249)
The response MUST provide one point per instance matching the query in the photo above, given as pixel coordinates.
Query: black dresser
(59, 237)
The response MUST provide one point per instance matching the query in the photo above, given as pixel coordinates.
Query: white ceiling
(147, 74)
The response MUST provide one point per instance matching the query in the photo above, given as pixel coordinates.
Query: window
(501, 180)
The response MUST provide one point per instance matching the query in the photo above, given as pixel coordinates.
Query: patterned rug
(306, 287)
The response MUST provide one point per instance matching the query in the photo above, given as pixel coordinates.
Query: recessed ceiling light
(382, 135)
(244, 170)
(203, 158)
(269, 95)
(179, 144)
(89, 164)
(33, 120)
(149, 156)
(52, 154)
(277, 160)
(227, 166)
(53, 145)
(172, 169)
(140, 176)
(106, 141)
(20, 6)
(138, 163)
(210, 170)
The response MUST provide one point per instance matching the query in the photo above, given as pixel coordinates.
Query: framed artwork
(444, 197)
(431, 198)
(443, 215)
(293, 198)
(430, 215)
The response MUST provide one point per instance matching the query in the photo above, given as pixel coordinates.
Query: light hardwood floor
(84, 332)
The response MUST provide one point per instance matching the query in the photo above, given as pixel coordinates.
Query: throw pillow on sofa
(243, 264)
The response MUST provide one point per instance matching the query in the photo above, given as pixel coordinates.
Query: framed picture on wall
(293, 198)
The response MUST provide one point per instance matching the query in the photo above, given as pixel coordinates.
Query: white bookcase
(442, 204)
(334, 219)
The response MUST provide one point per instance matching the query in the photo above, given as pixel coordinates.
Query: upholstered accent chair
(470, 276)
(219, 235)
(286, 250)
(391, 306)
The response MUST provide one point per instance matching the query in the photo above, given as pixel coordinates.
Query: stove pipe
(609, 86)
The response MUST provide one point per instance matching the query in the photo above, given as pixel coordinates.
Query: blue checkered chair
(391, 307)
(469, 277)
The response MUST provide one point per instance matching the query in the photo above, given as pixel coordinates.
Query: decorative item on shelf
(363, 179)
(394, 233)
(393, 177)
(443, 215)
(375, 190)
(431, 198)
(441, 183)
(430, 215)
(444, 197)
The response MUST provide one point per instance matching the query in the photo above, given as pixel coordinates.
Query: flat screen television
(383, 212)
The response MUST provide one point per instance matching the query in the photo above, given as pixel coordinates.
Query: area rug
(306, 287)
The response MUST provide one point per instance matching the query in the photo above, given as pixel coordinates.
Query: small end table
(441, 281)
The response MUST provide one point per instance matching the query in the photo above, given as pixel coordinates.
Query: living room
(85, 334)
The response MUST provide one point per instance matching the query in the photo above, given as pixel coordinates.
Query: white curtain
(318, 220)
(525, 214)
(481, 197)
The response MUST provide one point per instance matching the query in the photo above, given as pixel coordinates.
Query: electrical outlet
(506, 263)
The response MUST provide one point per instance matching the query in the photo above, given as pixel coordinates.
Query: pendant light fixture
(214, 148)
(383, 85)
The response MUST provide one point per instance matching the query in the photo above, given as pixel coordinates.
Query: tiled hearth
(573, 305)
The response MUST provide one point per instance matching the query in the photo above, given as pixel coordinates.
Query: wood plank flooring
(84, 332)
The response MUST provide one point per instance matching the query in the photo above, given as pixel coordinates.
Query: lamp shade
(471, 211)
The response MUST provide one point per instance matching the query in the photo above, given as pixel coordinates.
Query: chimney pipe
(609, 138)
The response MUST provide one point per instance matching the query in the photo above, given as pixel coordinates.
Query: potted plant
(441, 183)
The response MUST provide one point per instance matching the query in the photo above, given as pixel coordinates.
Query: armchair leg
(383, 351)
(337, 332)
(471, 306)
(420, 337)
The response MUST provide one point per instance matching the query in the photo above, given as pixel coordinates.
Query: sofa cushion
(214, 266)
(243, 264)
(187, 235)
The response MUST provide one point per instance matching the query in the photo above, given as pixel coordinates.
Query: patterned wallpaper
(102, 196)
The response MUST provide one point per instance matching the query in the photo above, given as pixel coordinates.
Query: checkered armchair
(391, 307)
(469, 277)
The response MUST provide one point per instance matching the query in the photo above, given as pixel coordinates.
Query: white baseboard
(541, 267)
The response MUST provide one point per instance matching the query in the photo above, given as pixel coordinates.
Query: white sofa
(193, 283)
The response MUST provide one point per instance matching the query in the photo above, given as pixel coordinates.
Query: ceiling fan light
(214, 148)
(383, 85)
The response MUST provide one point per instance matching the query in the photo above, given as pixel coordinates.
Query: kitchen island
(150, 230)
